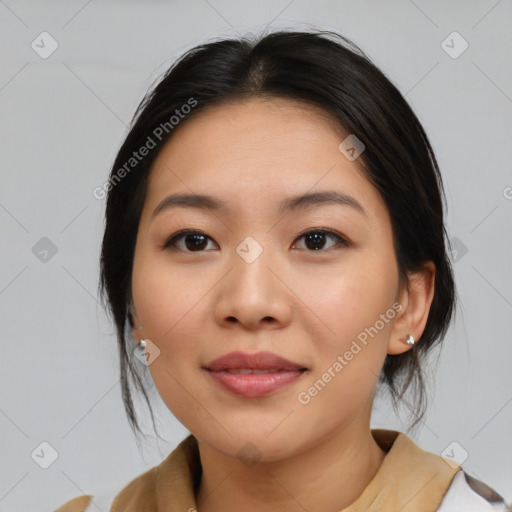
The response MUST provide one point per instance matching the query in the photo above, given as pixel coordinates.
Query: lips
(254, 375)
(261, 362)
(248, 371)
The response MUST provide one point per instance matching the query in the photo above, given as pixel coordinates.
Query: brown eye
(193, 241)
(317, 239)
(197, 241)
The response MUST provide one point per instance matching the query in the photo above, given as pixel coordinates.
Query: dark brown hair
(320, 68)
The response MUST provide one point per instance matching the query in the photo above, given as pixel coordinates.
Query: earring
(142, 344)
(409, 339)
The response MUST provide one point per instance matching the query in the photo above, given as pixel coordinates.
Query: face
(316, 283)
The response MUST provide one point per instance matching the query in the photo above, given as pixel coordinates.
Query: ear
(133, 319)
(415, 298)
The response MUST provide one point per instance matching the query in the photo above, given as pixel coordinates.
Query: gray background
(63, 119)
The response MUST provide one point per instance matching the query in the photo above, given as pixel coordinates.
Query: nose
(253, 293)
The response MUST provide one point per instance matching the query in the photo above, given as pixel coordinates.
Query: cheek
(171, 308)
(360, 313)
(163, 296)
(164, 300)
(353, 297)
(357, 307)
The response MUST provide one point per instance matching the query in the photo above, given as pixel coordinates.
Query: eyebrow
(300, 202)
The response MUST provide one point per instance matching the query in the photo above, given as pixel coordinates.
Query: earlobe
(416, 299)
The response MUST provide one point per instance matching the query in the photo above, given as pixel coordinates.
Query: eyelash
(182, 234)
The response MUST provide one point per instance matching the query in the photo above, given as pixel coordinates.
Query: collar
(409, 479)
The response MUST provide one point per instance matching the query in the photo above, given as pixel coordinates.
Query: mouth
(245, 362)
(253, 375)
(250, 383)
(255, 371)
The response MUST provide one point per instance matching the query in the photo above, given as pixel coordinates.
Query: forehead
(259, 151)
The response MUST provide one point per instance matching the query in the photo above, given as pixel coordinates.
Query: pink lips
(234, 372)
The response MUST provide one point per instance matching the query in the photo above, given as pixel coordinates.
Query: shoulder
(468, 493)
(78, 504)
(141, 489)
(179, 469)
(87, 503)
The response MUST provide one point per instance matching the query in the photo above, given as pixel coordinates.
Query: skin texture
(303, 304)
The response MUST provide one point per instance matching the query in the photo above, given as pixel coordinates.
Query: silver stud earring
(142, 344)
(409, 339)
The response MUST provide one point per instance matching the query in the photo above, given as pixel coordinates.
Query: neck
(327, 477)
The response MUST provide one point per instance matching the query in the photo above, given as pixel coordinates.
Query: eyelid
(325, 231)
(182, 233)
(341, 239)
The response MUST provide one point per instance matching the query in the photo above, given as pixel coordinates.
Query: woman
(274, 249)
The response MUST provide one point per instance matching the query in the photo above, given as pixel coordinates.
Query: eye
(195, 241)
(314, 239)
